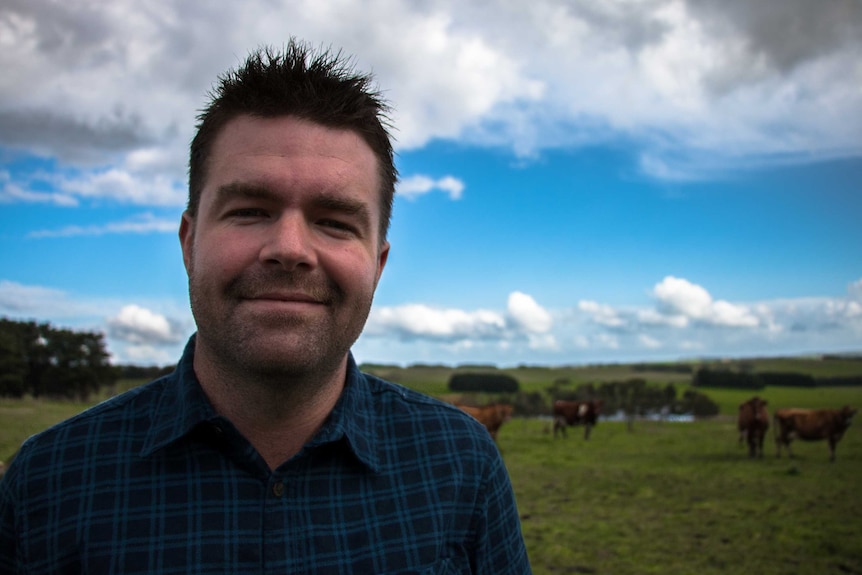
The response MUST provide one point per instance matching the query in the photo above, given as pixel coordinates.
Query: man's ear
(187, 234)
(382, 257)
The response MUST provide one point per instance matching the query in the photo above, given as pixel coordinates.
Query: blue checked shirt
(154, 481)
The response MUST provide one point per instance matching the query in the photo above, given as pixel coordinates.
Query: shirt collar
(354, 418)
(182, 406)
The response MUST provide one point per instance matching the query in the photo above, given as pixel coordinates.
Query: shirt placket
(279, 537)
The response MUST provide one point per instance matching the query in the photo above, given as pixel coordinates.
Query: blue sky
(581, 182)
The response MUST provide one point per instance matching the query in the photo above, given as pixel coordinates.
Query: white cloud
(545, 342)
(527, 314)
(149, 355)
(125, 187)
(142, 224)
(138, 325)
(33, 301)
(23, 300)
(699, 84)
(12, 191)
(418, 185)
(679, 298)
(524, 318)
(601, 314)
(131, 333)
(606, 340)
(651, 316)
(649, 341)
(522, 332)
(683, 320)
(419, 320)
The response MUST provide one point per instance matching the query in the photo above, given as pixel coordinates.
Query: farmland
(659, 497)
(679, 498)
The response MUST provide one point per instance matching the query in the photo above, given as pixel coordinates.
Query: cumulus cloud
(134, 333)
(125, 187)
(422, 321)
(684, 319)
(527, 314)
(414, 186)
(679, 323)
(138, 325)
(699, 84)
(523, 319)
(685, 301)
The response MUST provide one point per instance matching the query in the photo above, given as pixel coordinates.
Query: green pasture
(669, 498)
(683, 498)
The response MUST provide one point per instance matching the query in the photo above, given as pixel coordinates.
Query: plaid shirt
(154, 481)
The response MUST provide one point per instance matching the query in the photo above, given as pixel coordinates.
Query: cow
(753, 423)
(811, 425)
(575, 413)
(492, 416)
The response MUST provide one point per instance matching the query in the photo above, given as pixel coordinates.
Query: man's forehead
(248, 137)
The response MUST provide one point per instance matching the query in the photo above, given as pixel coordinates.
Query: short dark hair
(318, 86)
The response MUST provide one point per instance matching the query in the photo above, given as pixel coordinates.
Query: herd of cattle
(791, 423)
(753, 422)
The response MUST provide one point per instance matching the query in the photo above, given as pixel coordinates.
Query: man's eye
(338, 225)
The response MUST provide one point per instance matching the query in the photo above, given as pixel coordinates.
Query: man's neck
(277, 415)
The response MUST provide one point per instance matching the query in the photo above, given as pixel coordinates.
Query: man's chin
(292, 355)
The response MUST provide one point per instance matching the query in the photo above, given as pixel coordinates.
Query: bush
(727, 379)
(483, 382)
(787, 379)
(697, 403)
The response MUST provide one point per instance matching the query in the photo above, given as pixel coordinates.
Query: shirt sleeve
(500, 548)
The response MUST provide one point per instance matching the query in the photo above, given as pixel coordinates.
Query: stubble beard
(281, 350)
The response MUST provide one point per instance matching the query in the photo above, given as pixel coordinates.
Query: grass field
(682, 498)
(669, 498)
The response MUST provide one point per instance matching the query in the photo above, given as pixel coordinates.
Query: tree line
(40, 360)
(634, 397)
(725, 378)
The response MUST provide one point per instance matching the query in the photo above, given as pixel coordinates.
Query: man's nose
(289, 243)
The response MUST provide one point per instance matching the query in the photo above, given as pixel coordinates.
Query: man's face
(284, 254)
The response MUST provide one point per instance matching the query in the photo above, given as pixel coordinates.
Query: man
(267, 451)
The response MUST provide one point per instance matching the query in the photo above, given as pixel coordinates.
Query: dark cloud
(634, 29)
(70, 138)
(68, 33)
(782, 35)
(699, 83)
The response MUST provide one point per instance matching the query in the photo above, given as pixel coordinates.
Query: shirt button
(278, 489)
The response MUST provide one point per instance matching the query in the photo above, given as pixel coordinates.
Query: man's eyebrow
(236, 189)
(340, 204)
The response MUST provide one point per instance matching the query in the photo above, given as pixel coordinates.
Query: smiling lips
(289, 297)
(285, 300)
(282, 290)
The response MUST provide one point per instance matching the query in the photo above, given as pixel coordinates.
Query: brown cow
(811, 425)
(575, 413)
(492, 416)
(753, 424)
